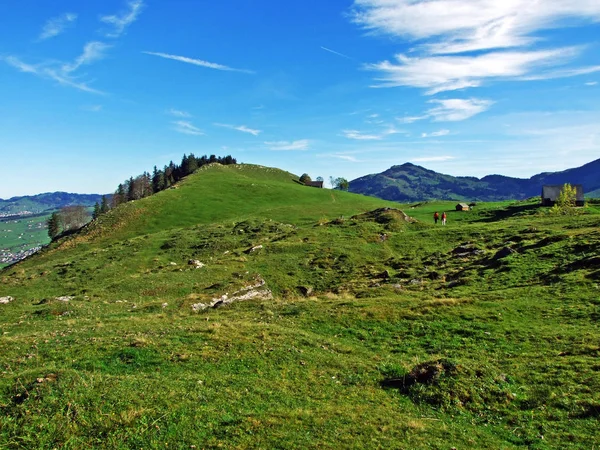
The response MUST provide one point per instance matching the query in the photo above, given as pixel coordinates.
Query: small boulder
(253, 249)
(306, 291)
(197, 264)
(5, 300)
(64, 298)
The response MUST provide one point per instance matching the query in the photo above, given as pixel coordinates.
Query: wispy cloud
(57, 25)
(458, 26)
(454, 109)
(92, 52)
(61, 74)
(120, 22)
(448, 32)
(185, 127)
(436, 134)
(92, 108)
(336, 53)
(197, 62)
(412, 119)
(345, 157)
(178, 113)
(448, 73)
(360, 136)
(242, 128)
(591, 83)
(432, 159)
(301, 144)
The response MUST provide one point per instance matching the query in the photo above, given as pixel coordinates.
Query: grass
(362, 303)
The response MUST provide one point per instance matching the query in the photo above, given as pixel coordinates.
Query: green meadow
(368, 326)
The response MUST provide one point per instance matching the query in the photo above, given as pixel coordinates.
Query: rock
(197, 264)
(199, 307)
(64, 298)
(253, 249)
(172, 263)
(504, 252)
(164, 305)
(5, 300)
(305, 290)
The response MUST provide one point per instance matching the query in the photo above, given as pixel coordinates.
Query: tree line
(135, 188)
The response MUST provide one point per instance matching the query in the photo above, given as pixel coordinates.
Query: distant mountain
(409, 183)
(46, 202)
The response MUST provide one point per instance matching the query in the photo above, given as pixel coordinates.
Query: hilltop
(240, 309)
(410, 183)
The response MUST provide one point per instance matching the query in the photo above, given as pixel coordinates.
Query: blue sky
(94, 92)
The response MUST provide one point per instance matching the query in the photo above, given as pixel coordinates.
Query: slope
(370, 330)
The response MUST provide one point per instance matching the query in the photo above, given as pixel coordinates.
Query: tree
(104, 205)
(73, 217)
(96, 212)
(339, 183)
(53, 223)
(319, 179)
(566, 201)
(305, 178)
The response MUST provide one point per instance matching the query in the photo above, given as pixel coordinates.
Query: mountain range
(45, 202)
(409, 183)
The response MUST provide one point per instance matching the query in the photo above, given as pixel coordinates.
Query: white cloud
(92, 52)
(197, 62)
(57, 25)
(185, 127)
(178, 113)
(411, 119)
(301, 144)
(502, 32)
(453, 110)
(433, 159)
(436, 134)
(447, 73)
(591, 83)
(47, 71)
(357, 135)
(563, 73)
(242, 128)
(468, 25)
(124, 19)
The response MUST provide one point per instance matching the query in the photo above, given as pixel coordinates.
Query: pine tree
(96, 212)
(53, 223)
(104, 205)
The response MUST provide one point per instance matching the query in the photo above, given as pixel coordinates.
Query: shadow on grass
(510, 211)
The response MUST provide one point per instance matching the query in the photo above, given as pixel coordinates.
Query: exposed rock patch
(5, 300)
(252, 292)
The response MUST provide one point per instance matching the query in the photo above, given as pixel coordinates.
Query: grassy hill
(409, 183)
(355, 325)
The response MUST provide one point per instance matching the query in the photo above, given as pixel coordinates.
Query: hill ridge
(409, 182)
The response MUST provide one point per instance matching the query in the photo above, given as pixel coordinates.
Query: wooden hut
(462, 207)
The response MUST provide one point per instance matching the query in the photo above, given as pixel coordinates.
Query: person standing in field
(436, 216)
(444, 218)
